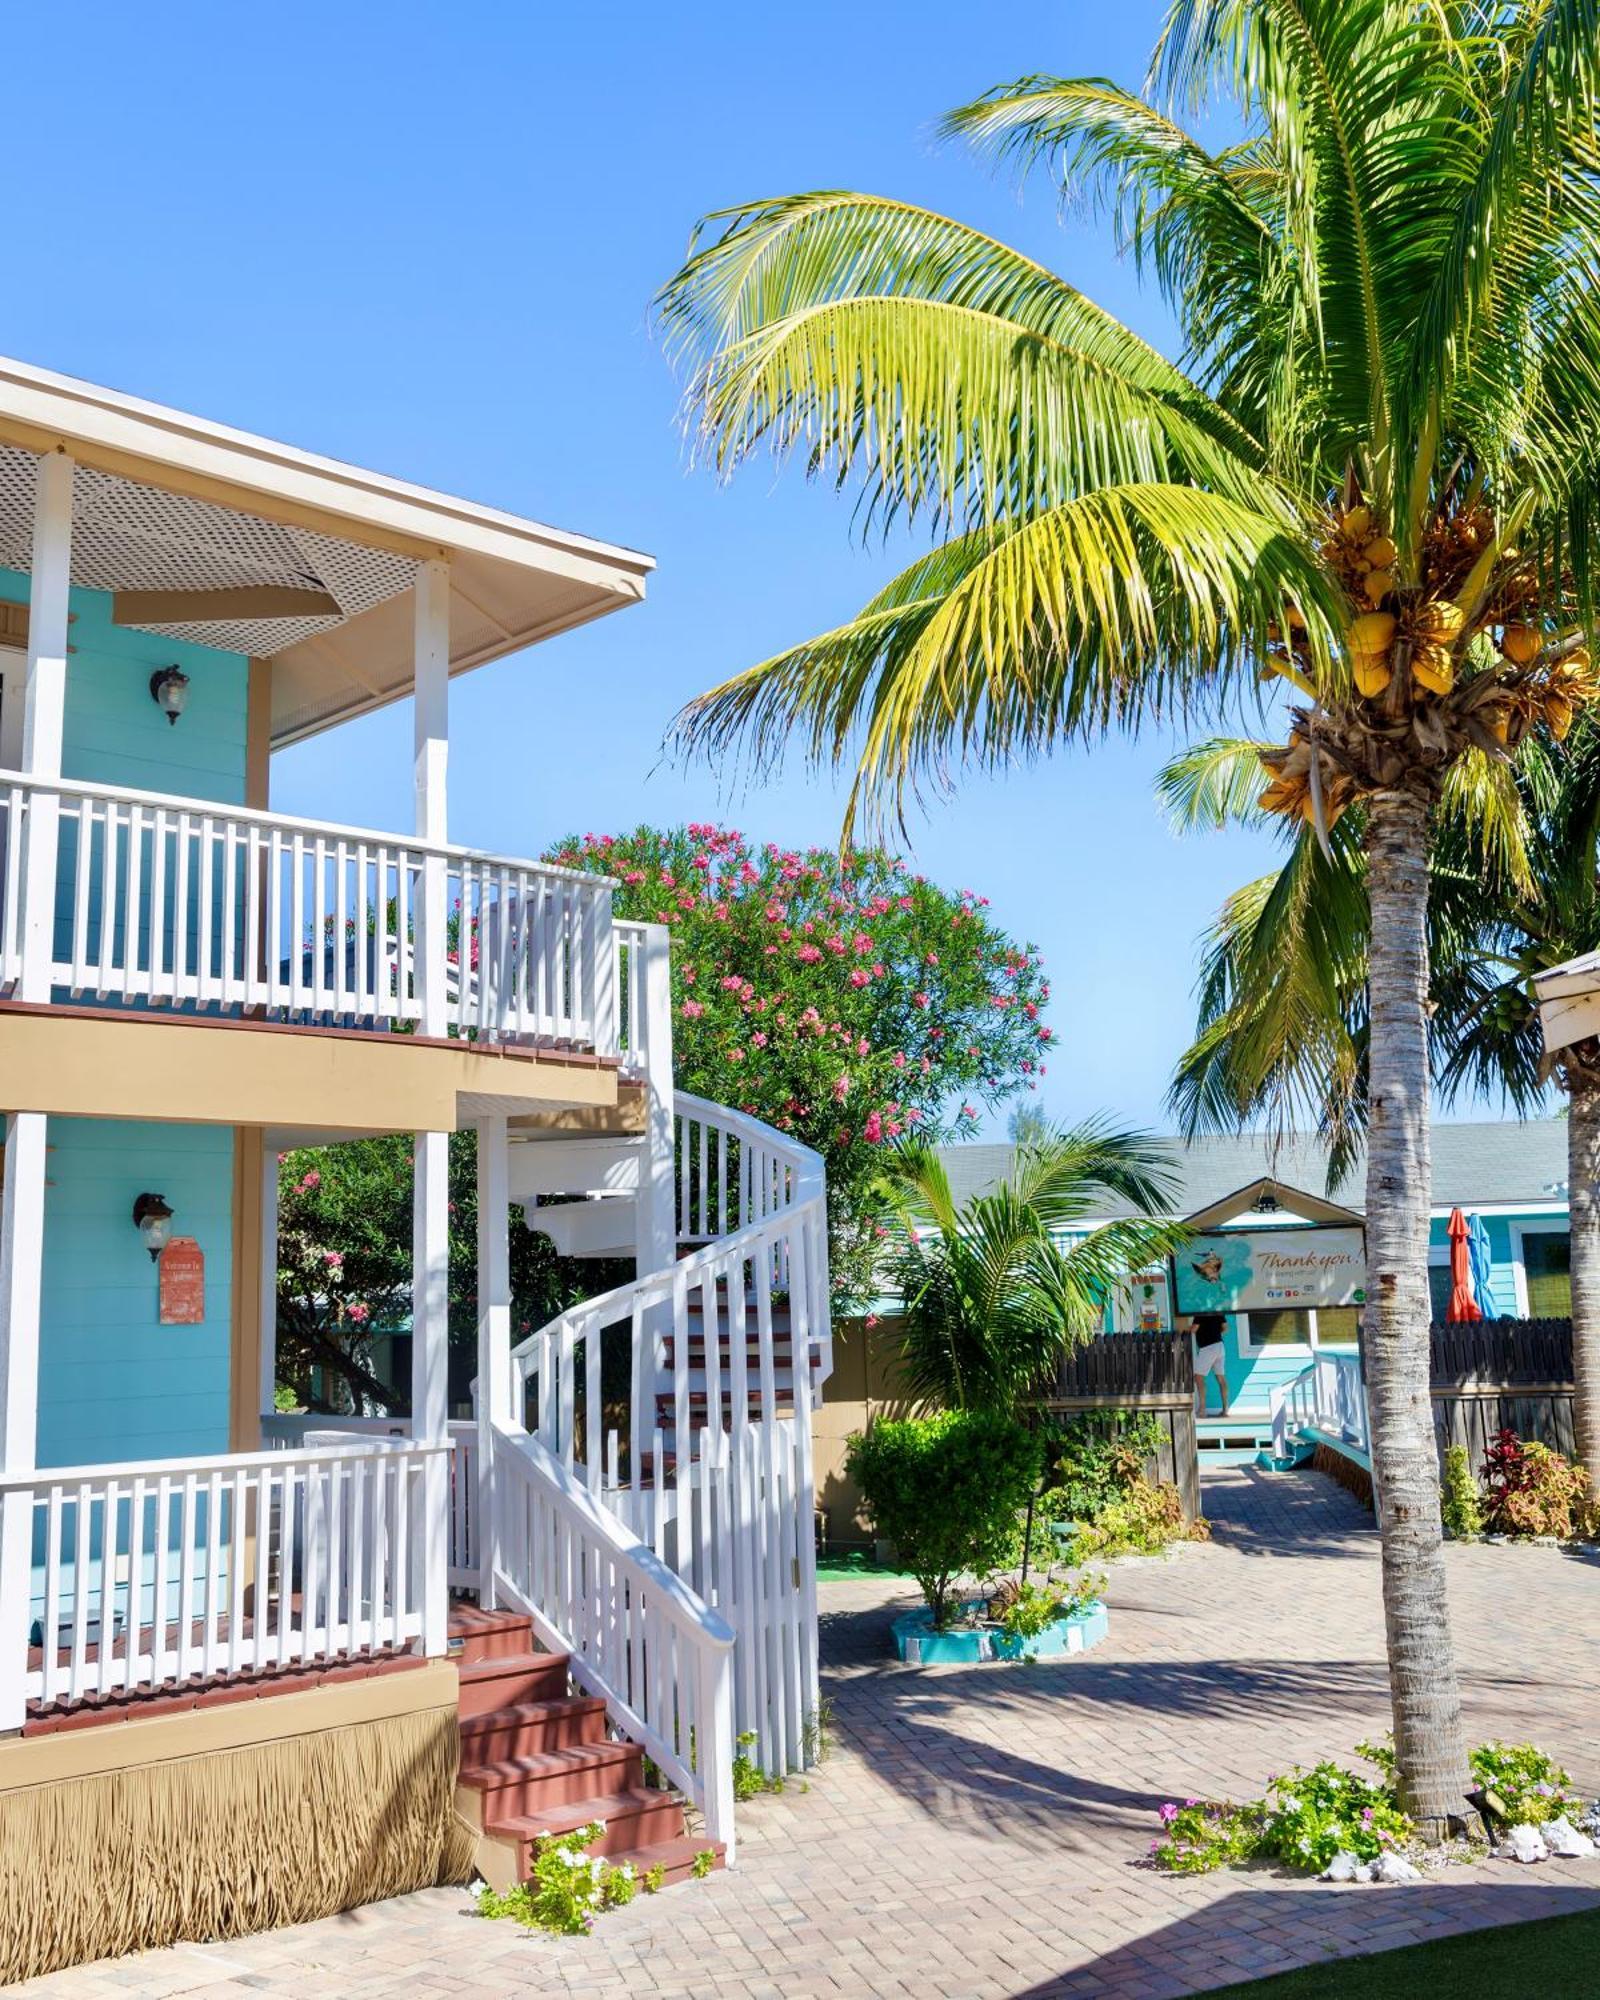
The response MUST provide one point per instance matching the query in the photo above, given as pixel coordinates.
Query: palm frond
(1134, 601)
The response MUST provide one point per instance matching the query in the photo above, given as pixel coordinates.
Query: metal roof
(1487, 1163)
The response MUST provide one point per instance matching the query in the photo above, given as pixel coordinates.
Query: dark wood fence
(1119, 1376)
(1502, 1374)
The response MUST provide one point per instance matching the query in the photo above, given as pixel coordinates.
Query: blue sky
(425, 239)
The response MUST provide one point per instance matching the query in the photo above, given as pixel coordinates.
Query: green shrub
(1092, 1465)
(568, 1887)
(1460, 1502)
(1306, 1818)
(1204, 1834)
(1531, 1785)
(946, 1491)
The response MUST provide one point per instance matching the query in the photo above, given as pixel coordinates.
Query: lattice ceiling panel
(127, 536)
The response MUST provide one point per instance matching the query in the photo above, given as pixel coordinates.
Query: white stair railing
(637, 1635)
(1327, 1397)
(705, 1453)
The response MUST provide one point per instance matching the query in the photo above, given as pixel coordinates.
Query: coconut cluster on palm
(1463, 656)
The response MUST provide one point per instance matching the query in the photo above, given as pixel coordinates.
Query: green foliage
(846, 1001)
(345, 1271)
(1531, 1785)
(1035, 1606)
(1306, 1818)
(568, 1887)
(1092, 1463)
(1096, 1482)
(749, 1780)
(1460, 1501)
(1200, 1835)
(654, 1879)
(703, 1863)
(946, 1491)
(991, 1297)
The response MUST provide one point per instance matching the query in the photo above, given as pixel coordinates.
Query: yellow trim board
(86, 1064)
(27, 1761)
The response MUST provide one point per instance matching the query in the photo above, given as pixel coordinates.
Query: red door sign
(183, 1283)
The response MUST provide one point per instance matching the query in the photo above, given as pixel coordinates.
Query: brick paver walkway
(979, 1832)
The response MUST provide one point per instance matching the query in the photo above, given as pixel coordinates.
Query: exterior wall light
(153, 1220)
(169, 690)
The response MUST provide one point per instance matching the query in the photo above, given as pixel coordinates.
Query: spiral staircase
(643, 1498)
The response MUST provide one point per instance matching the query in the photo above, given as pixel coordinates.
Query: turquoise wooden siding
(116, 735)
(114, 1384)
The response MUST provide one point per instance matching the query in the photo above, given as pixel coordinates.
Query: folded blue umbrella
(1478, 1263)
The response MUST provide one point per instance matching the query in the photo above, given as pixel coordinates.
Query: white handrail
(172, 901)
(172, 1568)
(1327, 1396)
(716, 1468)
(636, 1634)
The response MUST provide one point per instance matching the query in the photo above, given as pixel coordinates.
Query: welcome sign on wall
(1271, 1270)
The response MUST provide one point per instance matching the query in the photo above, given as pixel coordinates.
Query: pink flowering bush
(851, 1003)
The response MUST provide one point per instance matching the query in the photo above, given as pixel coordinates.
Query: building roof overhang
(249, 511)
(1296, 1201)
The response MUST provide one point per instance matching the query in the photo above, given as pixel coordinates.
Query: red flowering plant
(843, 999)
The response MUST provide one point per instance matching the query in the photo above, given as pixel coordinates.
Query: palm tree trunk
(1430, 1748)
(1583, 1200)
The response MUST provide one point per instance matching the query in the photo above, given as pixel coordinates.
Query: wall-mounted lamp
(153, 1220)
(169, 690)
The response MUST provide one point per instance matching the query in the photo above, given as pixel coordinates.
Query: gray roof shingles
(1482, 1163)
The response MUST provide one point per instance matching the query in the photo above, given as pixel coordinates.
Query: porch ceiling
(168, 502)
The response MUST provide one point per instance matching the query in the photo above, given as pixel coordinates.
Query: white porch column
(494, 1333)
(21, 1262)
(431, 714)
(268, 1306)
(656, 1240)
(430, 1337)
(44, 714)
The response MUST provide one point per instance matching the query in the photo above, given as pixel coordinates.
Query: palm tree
(1283, 1026)
(1370, 482)
(994, 1291)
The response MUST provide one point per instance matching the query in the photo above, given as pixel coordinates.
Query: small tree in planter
(947, 1491)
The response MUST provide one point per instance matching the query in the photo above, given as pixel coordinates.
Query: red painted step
(676, 1858)
(487, 1685)
(633, 1819)
(530, 1727)
(554, 1778)
(488, 1635)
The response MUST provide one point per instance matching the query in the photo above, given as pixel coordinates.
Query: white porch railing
(1328, 1398)
(165, 901)
(288, 1430)
(637, 1635)
(204, 1566)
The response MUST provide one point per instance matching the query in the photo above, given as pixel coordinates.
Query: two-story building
(233, 1687)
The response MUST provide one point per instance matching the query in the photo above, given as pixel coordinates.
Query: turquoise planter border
(918, 1645)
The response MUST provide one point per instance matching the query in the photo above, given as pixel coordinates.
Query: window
(1439, 1289)
(1547, 1270)
(1279, 1329)
(1338, 1326)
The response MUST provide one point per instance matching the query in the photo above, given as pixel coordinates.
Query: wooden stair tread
(606, 1806)
(549, 1763)
(531, 1712)
(508, 1665)
(677, 1857)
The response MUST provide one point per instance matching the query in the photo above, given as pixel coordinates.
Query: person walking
(1209, 1359)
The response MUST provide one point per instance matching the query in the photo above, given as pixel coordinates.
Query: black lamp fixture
(1265, 1203)
(152, 1217)
(169, 690)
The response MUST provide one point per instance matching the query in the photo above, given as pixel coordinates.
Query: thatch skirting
(1354, 1478)
(226, 1842)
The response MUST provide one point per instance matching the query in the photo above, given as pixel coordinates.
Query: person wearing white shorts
(1209, 1360)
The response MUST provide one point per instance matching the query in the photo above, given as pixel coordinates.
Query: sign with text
(1271, 1270)
(183, 1283)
